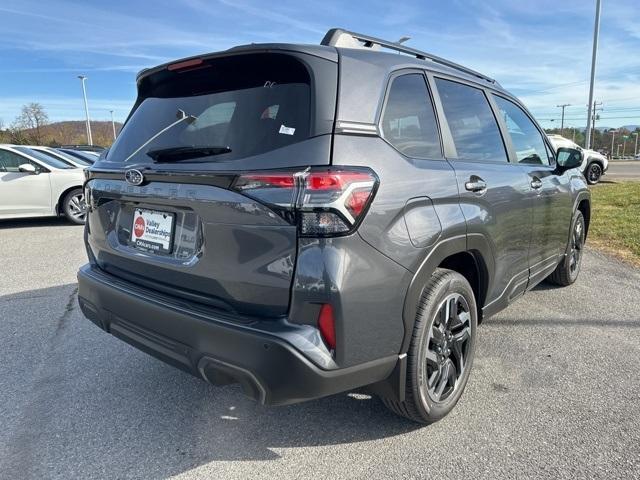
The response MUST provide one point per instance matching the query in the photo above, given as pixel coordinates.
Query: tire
(425, 367)
(73, 206)
(593, 173)
(568, 270)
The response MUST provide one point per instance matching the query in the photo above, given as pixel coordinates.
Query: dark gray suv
(306, 220)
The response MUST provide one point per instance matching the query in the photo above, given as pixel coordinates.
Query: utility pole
(113, 125)
(594, 117)
(594, 55)
(563, 106)
(86, 108)
(624, 145)
(618, 152)
(635, 151)
(574, 134)
(613, 137)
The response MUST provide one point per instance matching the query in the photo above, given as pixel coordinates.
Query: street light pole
(86, 108)
(563, 106)
(635, 151)
(594, 54)
(113, 125)
(613, 137)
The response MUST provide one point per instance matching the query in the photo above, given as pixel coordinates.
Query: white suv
(33, 184)
(594, 164)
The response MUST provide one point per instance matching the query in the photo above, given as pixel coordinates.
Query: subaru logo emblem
(134, 177)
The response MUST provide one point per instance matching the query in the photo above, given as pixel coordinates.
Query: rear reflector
(327, 326)
(324, 202)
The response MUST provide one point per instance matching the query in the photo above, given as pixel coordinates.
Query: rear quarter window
(408, 121)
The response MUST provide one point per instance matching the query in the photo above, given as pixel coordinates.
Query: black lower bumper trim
(268, 368)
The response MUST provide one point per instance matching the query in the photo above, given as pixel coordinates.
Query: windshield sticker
(287, 130)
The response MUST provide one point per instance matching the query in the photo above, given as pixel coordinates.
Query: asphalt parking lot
(554, 393)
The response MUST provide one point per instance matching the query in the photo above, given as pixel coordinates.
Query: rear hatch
(163, 212)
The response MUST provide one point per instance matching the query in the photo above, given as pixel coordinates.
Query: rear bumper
(267, 365)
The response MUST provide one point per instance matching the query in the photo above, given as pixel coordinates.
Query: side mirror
(569, 158)
(27, 168)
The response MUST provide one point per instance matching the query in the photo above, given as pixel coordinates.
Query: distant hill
(631, 128)
(62, 133)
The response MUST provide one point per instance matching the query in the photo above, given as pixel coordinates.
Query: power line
(584, 118)
(607, 109)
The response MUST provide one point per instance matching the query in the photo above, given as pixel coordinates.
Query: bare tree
(32, 118)
(4, 134)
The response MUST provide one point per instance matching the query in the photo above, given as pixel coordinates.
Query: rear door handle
(536, 183)
(476, 184)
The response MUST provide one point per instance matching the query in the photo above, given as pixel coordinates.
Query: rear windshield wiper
(175, 154)
(181, 117)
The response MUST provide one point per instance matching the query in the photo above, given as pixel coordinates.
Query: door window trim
(451, 152)
(503, 126)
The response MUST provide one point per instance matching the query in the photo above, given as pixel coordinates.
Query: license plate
(152, 230)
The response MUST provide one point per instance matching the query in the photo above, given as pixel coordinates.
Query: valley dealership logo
(134, 177)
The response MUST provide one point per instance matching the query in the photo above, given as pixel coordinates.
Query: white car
(60, 155)
(33, 184)
(594, 164)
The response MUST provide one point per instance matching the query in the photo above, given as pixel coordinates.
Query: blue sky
(538, 49)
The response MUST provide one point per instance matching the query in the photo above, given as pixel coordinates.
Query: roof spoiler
(337, 37)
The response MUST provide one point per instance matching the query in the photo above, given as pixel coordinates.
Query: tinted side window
(526, 138)
(9, 162)
(473, 127)
(409, 122)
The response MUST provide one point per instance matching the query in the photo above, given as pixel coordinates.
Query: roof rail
(337, 37)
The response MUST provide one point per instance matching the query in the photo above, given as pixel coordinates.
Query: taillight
(324, 202)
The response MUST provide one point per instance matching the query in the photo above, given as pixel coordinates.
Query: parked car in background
(60, 155)
(307, 220)
(33, 184)
(594, 164)
(90, 157)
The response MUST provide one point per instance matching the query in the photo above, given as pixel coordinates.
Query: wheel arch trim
(62, 195)
(583, 196)
(475, 245)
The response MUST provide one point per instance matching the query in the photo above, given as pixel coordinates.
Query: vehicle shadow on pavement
(88, 405)
(37, 222)
(545, 285)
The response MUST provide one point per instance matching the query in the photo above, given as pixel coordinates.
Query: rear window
(245, 104)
